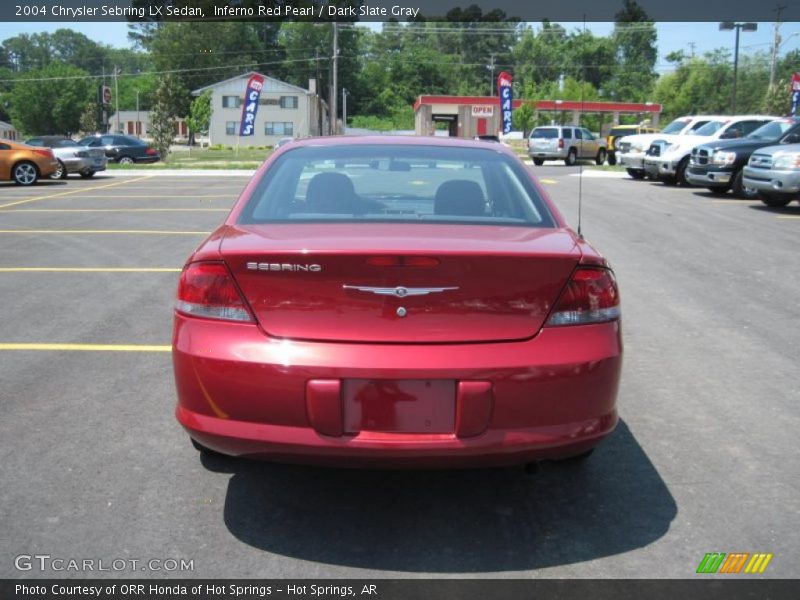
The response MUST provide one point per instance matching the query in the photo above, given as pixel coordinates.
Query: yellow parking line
(741, 202)
(111, 210)
(548, 181)
(89, 270)
(89, 347)
(110, 231)
(78, 191)
(788, 217)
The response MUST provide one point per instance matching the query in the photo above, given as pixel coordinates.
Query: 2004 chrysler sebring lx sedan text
(396, 302)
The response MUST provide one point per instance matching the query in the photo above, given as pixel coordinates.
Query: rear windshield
(547, 133)
(406, 184)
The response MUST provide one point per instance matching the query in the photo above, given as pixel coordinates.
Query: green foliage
(199, 117)
(778, 100)
(167, 105)
(522, 119)
(42, 107)
(89, 121)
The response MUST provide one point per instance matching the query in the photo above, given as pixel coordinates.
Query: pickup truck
(630, 150)
(775, 172)
(719, 165)
(668, 159)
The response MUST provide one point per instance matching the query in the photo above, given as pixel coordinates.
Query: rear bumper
(83, 165)
(769, 180)
(245, 394)
(548, 154)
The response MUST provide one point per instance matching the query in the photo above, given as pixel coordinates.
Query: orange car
(25, 164)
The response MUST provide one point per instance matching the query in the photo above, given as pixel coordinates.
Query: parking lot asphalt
(94, 466)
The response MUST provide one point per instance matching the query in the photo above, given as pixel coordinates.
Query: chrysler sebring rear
(396, 302)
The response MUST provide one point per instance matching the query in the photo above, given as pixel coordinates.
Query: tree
(89, 121)
(778, 100)
(199, 117)
(522, 118)
(635, 40)
(167, 104)
(50, 100)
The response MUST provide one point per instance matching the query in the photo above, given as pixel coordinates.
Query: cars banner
(250, 105)
(506, 99)
(795, 94)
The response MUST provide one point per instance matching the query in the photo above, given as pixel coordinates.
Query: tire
(680, 173)
(601, 157)
(25, 173)
(125, 160)
(87, 174)
(669, 180)
(572, 158)
(635, 173)
(204, 450)
(61, 172)
(612, 158)
(775, 200)
(719, 191)
(739, 189)
(538, 161)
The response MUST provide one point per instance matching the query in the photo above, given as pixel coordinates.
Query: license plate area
(399, 406)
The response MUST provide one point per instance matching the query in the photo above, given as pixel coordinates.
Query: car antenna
(580, 164)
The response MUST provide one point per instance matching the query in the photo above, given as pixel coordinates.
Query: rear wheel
(125, 160)
(87, 174)
(635, 173)
(61, 171)
(572, 157)
(740, 190)
(538, 161)
(775, 200)
(601, 157)
(612, 158)
(25, 173)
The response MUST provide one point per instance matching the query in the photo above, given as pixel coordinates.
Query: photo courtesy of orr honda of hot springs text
(396, 302)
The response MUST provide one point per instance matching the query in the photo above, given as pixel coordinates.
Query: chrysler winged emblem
(399, 291)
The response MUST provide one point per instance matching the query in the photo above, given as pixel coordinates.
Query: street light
(728, 26)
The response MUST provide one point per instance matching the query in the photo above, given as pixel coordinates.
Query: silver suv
(775, 172)
(567, 143)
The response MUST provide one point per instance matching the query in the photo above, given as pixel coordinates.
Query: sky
(671, 36)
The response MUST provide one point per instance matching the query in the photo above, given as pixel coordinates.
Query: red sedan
(396, 302)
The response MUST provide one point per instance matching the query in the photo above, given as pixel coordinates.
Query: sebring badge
(291, 267)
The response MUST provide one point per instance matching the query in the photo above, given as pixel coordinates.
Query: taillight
(560, 143)
(206, 289)
(591, 296)
(151, 152)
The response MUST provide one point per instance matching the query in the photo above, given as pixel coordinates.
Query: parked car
(24, 164)
(719, 165)
(375, 313)
(668, 157)
(565, 142)
(775, 172)
(123, 149)
(632, 149)
(620, 131)
(71, 156)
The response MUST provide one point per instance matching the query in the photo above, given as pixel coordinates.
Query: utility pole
(103, 107)
(334, 77)
(116, 96)
(776, 43)
(138, 122)
(729, 26)
(692, 45)
(491, 77)
(344, 110)
(318, 90)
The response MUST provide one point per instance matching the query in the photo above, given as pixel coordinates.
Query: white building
(137, 123)
(7, 131)
(284, 110)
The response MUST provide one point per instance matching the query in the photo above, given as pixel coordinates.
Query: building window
(231, 127)
(278, 128)
(231, 102)
(288, 101)
(263, 101)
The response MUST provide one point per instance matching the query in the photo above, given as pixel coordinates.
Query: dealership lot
(94, 466)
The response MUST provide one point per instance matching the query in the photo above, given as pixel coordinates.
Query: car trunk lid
(400, 283)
